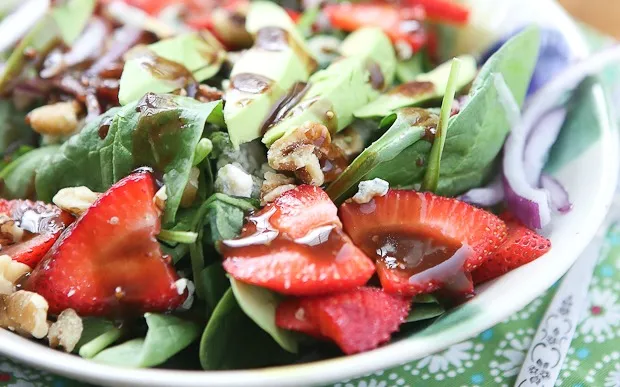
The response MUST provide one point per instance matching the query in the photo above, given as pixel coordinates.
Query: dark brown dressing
(164, 69)
(377, 80)
(104, 127)
(251, 83)
(282, 106)
(272, 39)
(413, 89)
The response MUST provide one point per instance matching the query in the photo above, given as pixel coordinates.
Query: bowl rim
(336, 369)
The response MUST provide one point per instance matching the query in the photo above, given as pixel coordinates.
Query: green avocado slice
(366, 69)
(278, 62)
(423, 88)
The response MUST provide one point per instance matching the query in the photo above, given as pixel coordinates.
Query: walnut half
(274, 185)
(66, 331)
(309, 153)
(10, 272)
(25, 313)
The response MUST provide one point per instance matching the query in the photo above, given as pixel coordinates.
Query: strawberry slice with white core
(108, 263)
(422, 242)
(296, 246)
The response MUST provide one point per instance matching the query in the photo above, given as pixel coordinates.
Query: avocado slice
(169, 65)
(274, 69)
(423, 88)
(366, 69)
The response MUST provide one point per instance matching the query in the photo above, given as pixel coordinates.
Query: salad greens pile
(190, 104)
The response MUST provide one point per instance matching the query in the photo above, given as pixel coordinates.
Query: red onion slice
(124, 38)
(487, 196)
(17, 24)
(541, 139)
(528, 203)
(87, 46)
(557, 193)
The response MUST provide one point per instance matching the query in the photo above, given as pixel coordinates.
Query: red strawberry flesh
(522, 246)
(357, 320)
(409, 233)
(108, 262)
(296, 246)
(42, 224)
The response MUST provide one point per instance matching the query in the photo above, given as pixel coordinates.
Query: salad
(234, 184)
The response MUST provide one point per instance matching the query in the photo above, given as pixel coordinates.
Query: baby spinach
(474, 138)
(169, 64)
(219, 217)
(231, 340)
(410, 126)
(215, 284)
(14, 130)
(160, 131)
(431, 178)
(166, 336)
(17, 178)
(260, 305)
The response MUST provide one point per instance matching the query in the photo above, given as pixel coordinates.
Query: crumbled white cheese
(183, 284)
(160, 198)
(368, 189)
(232, 180)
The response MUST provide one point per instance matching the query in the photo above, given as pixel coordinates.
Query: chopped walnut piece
(66, 331)
(10, 272)
(25, 313)
(309, 153)
(75, 200)
(10, 232)
(57, 119)
(274, 185)
(191, 188)
(208, 93)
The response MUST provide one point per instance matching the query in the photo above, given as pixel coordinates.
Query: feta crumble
(232, 180)
(369, 189)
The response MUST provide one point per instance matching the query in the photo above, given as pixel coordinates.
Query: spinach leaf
(431, 178)
(98, 334)
(166, 336)
(17, 178)
(410, 126)
(13, 128)
(424, 310)
(231, 340)
(260, 305)
(160, 131)
(215, 284)
(9, 157)
(407, 70)
(474, 138)
(224, 217)
(169, 65)
(71, 18)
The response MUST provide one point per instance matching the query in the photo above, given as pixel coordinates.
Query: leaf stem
(431, 178)
(186, 237)
(99, 343)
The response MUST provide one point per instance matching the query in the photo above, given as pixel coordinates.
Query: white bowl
(590, 179)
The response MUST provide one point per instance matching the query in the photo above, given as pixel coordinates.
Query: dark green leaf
(215, 284)
(17, 178)
(167, 335)
(98, 334)
(231, 340)
(409, 128)
(260, 305)
(424, 311)
(160, 131)
(13, 128)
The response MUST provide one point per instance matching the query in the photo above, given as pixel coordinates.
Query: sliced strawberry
(108, 262)
(302, 209)
(296, 246)
(357, 320)
(422, 242)
(42, 224)
(520, 247)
